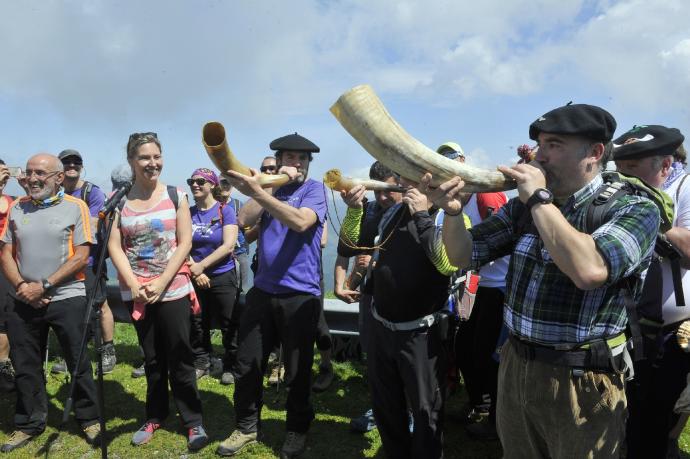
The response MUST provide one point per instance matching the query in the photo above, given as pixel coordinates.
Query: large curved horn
(216, 145)
(334, 180)
(363, 115)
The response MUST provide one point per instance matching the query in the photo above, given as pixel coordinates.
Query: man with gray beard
(45, 249)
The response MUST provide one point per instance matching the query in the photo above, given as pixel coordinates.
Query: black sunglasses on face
(198, 181)
(224, 183)
(72, 162)
(268, 168)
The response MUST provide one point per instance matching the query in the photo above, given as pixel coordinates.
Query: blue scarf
(50, 201)
(677, 170)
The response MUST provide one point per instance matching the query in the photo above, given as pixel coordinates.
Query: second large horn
(363, 115)
(216, 145)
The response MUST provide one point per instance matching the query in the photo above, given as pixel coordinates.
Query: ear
(597, 151)
(667, 162)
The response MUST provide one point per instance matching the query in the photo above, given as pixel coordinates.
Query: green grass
(329, 436)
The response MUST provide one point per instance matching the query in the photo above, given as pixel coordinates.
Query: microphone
(114, 200)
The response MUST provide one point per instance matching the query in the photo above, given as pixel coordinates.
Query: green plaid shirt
(542, 304)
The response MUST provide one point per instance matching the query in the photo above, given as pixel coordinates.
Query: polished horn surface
(364, 116)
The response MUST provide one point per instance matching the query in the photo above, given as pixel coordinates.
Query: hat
(576, 119)
(450, 150)
(644, 141)
(67, 153)
(294, 142)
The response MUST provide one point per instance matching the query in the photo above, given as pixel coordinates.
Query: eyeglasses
(139, 135)
(40, 174)
(268, 168)
(197, 181)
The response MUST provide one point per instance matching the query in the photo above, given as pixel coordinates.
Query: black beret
(651, 140)
(576, 119)
(294, 142)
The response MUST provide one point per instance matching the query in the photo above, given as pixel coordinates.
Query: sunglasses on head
(139, 135)
(197, 181)
(268, 168)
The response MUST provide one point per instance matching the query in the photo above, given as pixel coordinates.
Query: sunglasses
(197, 181)
(140, 135)
(72, 162)
(224, 183)
(268, 168)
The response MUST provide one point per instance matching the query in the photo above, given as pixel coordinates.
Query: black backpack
(644, 318)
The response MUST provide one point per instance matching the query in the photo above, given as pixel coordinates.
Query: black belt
(589, 359)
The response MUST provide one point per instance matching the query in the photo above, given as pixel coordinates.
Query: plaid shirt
(542, 304)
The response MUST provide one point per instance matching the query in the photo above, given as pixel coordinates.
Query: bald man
(45, 249)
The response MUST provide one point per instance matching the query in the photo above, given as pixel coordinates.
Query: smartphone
(15, 171)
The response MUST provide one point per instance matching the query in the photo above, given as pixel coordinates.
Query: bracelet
(19, 284)
(453, 215)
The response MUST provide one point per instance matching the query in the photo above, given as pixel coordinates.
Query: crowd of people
(562, 309)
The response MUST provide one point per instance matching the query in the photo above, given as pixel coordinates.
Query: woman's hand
(196, 269)
(154, 289)
(138, 292)
(202, 281)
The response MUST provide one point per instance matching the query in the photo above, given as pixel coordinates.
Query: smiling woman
(149, 244)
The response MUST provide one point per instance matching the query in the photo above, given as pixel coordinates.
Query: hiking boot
(236, 442)
(59, 367)
(145, 433)
(482, 431)
(139, 371)
(324, 379)
(227, 378)
(16, 440)
(200, 372)
(92, 433)
(196, 438)
(364, 423)
(108, 358)
(294, 445)
(278, 374)
(6, 376)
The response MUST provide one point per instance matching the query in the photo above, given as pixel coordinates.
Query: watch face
(544, 194)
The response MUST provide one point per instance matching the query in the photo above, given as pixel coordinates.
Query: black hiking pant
(267, 321)
(408, 368)
(27, 330)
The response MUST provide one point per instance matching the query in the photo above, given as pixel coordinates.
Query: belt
(581, 357)
(423, 322)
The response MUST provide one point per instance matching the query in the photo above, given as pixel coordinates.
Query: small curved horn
(334, 180)
(216, 145)
(363, 115)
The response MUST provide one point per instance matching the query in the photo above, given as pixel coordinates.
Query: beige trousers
(544, 411)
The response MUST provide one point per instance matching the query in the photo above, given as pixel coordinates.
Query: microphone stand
(98, 339)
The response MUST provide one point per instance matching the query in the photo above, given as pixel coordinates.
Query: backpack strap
(172, 194)
(680, 185)
(86, 191)
(220, 213)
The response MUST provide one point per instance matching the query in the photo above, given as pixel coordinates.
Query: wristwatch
(540, 196)
(46, 285)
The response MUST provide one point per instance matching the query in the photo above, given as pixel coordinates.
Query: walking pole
(108, 214)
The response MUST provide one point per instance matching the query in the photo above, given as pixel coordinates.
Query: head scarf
(206, 174)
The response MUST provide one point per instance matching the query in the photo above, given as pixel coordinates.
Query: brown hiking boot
(236, 442)
(16, 440)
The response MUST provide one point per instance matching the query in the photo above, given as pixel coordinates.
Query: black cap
(576, 119)
(644, 141)
(294, 142)
(67, 153)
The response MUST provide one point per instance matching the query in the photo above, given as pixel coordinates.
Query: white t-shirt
(681, 218)
(493, 274)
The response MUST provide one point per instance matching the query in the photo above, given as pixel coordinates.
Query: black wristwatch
(46, 285)
(540, 196)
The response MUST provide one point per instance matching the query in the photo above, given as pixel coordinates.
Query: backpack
(647, 312)
(86, 191)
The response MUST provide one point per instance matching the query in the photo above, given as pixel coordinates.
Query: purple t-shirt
(207, 235)
(290, 262)
(96, 200)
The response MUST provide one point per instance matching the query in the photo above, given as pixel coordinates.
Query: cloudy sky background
(85, 74)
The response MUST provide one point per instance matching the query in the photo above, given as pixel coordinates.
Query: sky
(86, 74)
